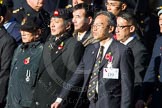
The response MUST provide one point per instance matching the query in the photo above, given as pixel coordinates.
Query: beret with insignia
(63, 13)
(30, 24)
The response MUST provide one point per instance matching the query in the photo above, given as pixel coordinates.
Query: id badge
(111, 73)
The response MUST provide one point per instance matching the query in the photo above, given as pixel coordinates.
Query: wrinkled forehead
(101, 19)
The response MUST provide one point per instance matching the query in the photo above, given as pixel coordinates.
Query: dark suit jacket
(7, 46)
(56, 67)
(112, 93)
(141, 59)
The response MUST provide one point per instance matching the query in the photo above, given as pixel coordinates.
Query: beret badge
(56, 13)
(23, 21)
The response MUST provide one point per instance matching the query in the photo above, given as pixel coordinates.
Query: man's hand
(55, 105)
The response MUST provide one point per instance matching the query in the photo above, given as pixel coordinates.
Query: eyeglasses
(122, 27)
(97, 26)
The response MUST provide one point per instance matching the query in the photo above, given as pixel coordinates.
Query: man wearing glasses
(107, 70)
(125, 33)
(115, 6)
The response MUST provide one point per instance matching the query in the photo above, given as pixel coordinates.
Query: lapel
(91, 61)
(85, 36)
(112, 49)
(132, 43)
(52, 54)
(51, 49)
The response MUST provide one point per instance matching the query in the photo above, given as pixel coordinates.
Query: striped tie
(94, 76)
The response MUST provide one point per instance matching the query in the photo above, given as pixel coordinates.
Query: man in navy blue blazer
(115, 76)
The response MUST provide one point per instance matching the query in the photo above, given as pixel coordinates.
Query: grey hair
(111, 17)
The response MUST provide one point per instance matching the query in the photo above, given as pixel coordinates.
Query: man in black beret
(25, 65)
(61, 56)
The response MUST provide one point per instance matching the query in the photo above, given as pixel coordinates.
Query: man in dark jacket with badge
(61, 56)
(7, 46)
(25, 65)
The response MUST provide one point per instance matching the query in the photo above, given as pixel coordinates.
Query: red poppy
(61, 46)
(27, 60)
(109, 57)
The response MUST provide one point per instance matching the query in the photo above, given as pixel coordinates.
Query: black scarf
(55, 43)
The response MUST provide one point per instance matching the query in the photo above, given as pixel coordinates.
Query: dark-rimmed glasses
(122, 27)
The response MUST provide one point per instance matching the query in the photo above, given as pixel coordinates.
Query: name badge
(111, 73)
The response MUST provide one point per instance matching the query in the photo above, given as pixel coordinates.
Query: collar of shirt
(128, 40)
(106, 46)
(6, 25)
(81, 35)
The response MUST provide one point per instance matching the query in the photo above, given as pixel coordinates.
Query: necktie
(91, 94)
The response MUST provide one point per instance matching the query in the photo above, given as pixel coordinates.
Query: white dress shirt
(128, 40)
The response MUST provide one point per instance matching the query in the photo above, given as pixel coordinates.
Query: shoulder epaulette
(158, 8)
(68, 6)
(17, 10)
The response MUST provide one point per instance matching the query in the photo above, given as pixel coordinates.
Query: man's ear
(111, 29)
(39, 31)
(132, 28)
(123, 6)
(90, 19)
(1, 19)
(68, 25)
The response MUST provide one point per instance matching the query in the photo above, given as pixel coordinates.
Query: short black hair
(129, 17)
(88, 9)
(111, 17)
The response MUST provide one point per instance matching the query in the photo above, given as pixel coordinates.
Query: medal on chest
(27, 76)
